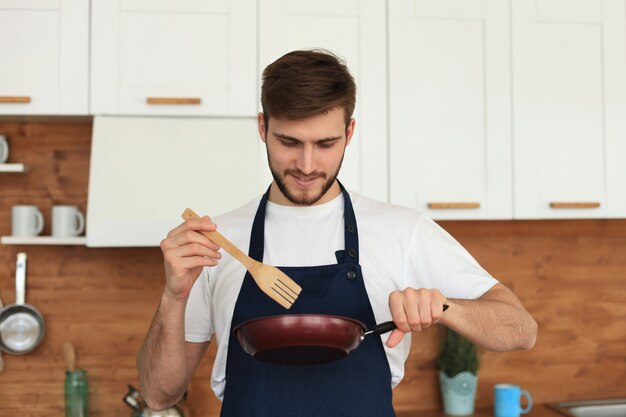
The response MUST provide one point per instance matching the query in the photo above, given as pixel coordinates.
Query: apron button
(351, 274)
(351, 228)
(351, 253)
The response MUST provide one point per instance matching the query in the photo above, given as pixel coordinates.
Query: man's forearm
(162, 359)
(497, 321)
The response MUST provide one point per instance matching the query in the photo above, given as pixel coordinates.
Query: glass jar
(76, 393)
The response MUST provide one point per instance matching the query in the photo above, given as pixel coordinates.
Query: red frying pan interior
(300, 339)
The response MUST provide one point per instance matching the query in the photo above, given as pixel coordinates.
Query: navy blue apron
(358, 385)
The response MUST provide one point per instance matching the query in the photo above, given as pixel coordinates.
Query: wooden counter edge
(539, 410)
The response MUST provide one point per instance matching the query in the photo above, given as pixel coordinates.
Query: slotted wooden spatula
(271, 280)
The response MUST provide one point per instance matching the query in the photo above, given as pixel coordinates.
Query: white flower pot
(458, 393)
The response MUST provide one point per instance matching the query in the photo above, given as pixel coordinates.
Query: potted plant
(458, 364)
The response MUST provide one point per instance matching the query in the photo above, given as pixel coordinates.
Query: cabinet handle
(173, 100)
(574, 205)
(459, 205)
(14, 99)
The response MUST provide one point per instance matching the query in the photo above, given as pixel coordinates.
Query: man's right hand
(185, 253)
(165, 361)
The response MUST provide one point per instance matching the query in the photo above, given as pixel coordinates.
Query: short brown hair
(301, 84)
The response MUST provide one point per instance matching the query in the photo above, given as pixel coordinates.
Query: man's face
(305, 155)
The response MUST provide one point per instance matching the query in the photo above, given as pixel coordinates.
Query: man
(374, 261)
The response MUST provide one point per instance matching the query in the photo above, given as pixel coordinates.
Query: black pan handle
(381, 328)
(388, 326)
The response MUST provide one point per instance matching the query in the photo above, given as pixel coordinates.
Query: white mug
(4, 149)
(26, 221)
(67, 221)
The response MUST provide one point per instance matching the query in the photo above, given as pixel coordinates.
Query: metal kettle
(140, 408)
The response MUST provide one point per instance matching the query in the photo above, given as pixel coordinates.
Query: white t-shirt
(398, 248)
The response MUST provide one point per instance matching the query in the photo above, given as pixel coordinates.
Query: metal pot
(140, 408)
(22, 326)
(1, 359)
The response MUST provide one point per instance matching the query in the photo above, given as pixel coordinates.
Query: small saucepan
(304, 339)
(22, 326)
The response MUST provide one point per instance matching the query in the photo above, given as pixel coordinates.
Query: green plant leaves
(457, 354)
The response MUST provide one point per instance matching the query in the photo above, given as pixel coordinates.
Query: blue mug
(508, 401)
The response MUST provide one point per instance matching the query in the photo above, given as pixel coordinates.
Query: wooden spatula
(69, 356)
(271, 280)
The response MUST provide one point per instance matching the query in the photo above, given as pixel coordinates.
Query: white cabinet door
(569, 89)
(355, 31)
(144, 171)
(615, 98)
(450, 127)
(45, 63)
(185, 57)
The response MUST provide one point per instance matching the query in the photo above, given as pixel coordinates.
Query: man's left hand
(413, 310)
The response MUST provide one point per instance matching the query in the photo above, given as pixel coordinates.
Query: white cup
(67, 221)
(4, 149)
(26, 221)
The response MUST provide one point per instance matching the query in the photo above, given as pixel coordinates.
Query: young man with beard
(375, 262)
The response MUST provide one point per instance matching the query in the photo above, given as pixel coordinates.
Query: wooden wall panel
(570, 274)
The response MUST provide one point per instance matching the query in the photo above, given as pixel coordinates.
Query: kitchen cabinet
(170, 58)
(145, 171)
(450, 108)
(569, 90)
(45, 62)
(496, 117)
(355, 30)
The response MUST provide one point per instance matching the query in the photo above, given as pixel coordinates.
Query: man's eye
(327, 145)
(289, 144)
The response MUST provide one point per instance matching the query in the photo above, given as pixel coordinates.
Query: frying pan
(22, 326)
(304, 339)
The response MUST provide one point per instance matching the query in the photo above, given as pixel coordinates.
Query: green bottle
(76, 393)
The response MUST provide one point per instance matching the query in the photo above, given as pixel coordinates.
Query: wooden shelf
(12, 168)
(43, 240)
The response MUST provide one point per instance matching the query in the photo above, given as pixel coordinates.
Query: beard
(307, 198)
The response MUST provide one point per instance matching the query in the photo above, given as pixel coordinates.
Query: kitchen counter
(538, 410)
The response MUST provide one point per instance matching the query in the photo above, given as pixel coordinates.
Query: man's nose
(306, 162)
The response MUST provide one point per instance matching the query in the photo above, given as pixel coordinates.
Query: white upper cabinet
(354, 30)
(185, 57)
(155, 177)
(45, 62)
(569, 90)
(450, 107)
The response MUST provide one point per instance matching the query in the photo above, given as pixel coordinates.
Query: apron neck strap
(257, 237)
